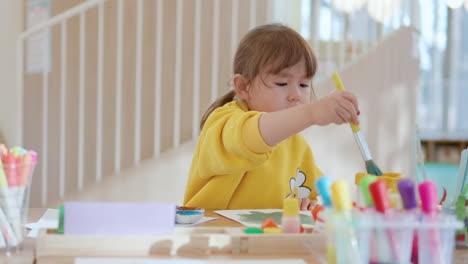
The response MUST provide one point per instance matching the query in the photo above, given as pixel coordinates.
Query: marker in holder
(15, 182)
(386, 235)
(436, 239)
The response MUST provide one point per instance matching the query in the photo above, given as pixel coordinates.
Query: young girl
(249, 154)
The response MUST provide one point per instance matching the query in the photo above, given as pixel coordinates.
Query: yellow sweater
(233, 167)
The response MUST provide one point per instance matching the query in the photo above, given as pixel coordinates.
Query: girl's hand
(306, 204)
(339, 107)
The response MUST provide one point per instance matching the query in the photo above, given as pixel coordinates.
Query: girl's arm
(339, 107)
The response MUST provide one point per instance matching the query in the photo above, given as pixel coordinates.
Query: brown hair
(273, 45)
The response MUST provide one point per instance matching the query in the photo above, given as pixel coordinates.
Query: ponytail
(228, 97)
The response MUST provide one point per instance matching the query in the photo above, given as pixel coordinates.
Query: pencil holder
(386, 238)
(14, 202)
(342, 239)
(436, 238)
(462, 234)
(370, 238)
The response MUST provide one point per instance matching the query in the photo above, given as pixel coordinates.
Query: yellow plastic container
(391, 178)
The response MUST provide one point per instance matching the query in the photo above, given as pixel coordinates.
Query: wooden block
(186, 242)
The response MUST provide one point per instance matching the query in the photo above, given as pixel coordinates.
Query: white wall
(386, 83)
(11, 23)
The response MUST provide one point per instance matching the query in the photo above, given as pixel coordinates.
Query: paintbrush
(371, 167)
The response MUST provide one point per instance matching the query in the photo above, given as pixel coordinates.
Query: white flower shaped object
(297, 188)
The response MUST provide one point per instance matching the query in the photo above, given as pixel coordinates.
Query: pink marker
(428, 195)
(33, 156)
(10, 165)
(33, 161)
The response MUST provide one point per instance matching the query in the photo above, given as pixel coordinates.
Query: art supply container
(188, 215)
(14, 205)
(436, 238)
(391, 178)
(342, 240)
(462, 234)
(386, 238)
(371, 238)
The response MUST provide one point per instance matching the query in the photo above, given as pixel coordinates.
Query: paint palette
(188, 215)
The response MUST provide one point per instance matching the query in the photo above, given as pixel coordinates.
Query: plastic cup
(386, 238)
(462, 234)
(14, 206)
(436, 239)
(380, 239)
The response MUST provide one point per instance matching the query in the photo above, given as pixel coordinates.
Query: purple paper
(109, 218)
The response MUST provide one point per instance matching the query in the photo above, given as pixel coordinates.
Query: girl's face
(288, 88)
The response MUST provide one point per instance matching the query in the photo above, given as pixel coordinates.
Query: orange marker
(26, 167)
(3, 150)
(10, 165)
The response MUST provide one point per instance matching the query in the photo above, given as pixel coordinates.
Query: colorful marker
(407, 193)
(346, 240)
(320, 213)
(7, 231)
(26, 167)
(323, 185)
(3, 150)
(16, 168)
(10, 165)
(8, 177)
(3, 178)
(379, 193)
(18, 151)
(364, 184)
(408, 199)
(428, 195)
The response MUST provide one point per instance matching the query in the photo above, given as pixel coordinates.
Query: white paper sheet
(255, 218)
(201, 221)
(183, 261)
(48, 220)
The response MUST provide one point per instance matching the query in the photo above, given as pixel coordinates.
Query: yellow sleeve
(231, 142)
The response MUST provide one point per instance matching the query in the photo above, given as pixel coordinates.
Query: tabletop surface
(26, 256)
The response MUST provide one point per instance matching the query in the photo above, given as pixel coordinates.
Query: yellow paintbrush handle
(339, 86)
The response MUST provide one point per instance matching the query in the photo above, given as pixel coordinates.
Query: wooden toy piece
(302, 230)
(186, 241)
(315, 213)
(272, 230)
(269, 223)
(253, 230)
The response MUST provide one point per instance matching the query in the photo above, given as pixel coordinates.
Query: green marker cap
(365, 182)
(61, 218)
(253, 230)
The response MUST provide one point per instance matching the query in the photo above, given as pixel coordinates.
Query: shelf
(443, 149)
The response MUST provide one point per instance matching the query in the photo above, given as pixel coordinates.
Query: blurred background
(110, 92)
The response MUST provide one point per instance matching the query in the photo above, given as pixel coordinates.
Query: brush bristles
(372, 168)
